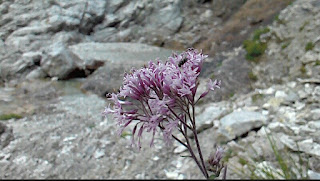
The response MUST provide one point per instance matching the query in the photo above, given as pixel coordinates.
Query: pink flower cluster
(159, 96)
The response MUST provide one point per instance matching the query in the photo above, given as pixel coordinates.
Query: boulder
(6, 135)
(117, 59)
(59, 62)
(210, 113)
(238, 123)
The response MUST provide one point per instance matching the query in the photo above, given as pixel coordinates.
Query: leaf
(212, 177)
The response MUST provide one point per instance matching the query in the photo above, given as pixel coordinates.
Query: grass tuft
(255, 47)
(309, 46)
(10, 116)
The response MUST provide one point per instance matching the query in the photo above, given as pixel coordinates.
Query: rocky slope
(58, 59)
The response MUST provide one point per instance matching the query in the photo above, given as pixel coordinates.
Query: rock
(171, 175)
(59, 62)
(6, 135)
(313, 175)
(268, 91)
(99, 153)
(279, 127)
(314, 124)
(105, 35)
(311, 80)
(117, 58)
(240, 122)
(179, 148)
(13, 67)
(299, 105)
(308, 145)
(315, 114)
(287, 113)
(280, 94)
(273, 103)
(36, 74)
(210, 113)
(291, 97)
(316, 92)
(2, 48)
(232, 71)
(271, 170)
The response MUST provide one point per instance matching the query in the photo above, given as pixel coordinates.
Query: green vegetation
(227, 155)
(231, 94)
(280, 21)
(259, 32)
(291, 3)
(303, 69)
(212, 76)
(285, 45)
(243, 161)
(10, 116)
(284, 167)
(124, 134)
(255, 47)
(309, 46)
(91, 125)
(303, 26)
(252, 76)
(256, 97)
(317, 63)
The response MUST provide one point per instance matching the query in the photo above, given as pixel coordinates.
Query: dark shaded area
(244, 135)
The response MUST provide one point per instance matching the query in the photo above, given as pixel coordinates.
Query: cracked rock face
(6, 135)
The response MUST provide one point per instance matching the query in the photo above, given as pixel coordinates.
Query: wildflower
(162, 98)
(214, 162)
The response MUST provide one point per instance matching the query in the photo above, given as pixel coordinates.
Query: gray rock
(233, 74)
(291, 97)
(15, 65)
(280, 94)
(104, 35)
(279, 127)
(6, 135)
(117, 58)
(36, 74)
(240, 122)
(314, 124)
(307, 145)
(30, 30)
(315, 114)
(313, 175)
(59, 62)
(99, 153)
(210, 113)
(2, 48)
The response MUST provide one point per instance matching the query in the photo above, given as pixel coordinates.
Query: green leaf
(212, 177)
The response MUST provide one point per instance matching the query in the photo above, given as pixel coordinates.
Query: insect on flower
(183, 61)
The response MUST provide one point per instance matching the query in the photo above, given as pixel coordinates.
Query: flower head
(160, 95)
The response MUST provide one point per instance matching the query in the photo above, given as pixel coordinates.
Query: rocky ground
(59, 58)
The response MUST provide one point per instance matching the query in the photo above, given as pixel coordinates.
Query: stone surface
(210, 113)
(117, 58)
(6, 135)
(240, 122)
(60, 62)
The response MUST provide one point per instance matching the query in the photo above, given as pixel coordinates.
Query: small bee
(183, 61)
